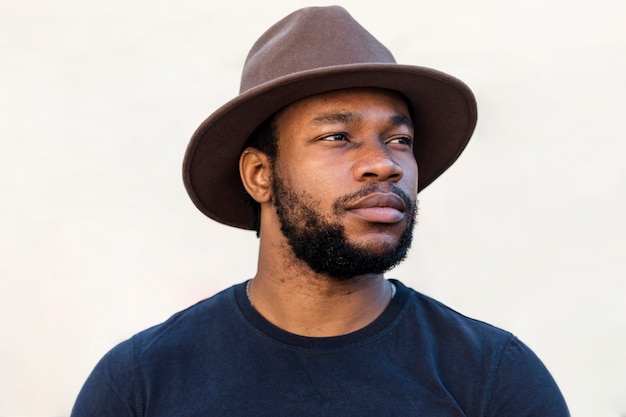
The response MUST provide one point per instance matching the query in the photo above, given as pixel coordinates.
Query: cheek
(316, 175)
(414, 174)
(410, 173)
(319, 182)
(320, 186)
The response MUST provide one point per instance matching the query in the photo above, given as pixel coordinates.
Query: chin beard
(323, 245)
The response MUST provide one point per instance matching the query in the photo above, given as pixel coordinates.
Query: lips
(379, 208)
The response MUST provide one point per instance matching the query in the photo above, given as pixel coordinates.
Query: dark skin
(332, 145)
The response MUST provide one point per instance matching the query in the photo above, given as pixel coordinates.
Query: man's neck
(305, 303)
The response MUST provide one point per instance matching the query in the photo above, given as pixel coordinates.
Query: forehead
(360, 100)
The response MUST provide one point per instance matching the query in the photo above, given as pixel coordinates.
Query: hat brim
(443, 111)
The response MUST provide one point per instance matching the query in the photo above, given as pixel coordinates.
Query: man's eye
(335, 137)
(402, 140)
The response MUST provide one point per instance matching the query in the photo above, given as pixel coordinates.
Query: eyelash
(335, 136)
(407, 140)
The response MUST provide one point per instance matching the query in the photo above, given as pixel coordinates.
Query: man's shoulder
(184, 329)
(434, 319)
(509, 377)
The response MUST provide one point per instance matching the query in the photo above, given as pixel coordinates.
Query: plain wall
(99, 239)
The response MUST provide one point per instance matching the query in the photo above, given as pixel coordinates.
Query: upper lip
(379, 200)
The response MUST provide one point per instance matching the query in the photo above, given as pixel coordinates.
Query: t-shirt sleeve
(109, 389)
(523, 387)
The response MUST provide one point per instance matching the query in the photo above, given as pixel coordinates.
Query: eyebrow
(330, 118)
(348, 118)
(401, 120)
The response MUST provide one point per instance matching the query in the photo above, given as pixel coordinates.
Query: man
(320, 154)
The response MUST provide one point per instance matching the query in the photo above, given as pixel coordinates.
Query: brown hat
(312, 51)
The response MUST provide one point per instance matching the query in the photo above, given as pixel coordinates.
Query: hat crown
(309, 39)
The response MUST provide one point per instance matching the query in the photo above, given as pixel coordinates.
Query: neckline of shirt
(380, 326)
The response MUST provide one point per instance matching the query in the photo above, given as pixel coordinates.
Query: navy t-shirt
(418, 358)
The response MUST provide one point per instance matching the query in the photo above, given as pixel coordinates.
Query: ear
(254, 169)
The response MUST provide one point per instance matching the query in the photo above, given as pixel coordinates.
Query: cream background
(99, 240)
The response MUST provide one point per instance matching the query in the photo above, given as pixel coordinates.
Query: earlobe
(254, 169)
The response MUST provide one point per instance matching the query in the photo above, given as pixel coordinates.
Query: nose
(375, 163)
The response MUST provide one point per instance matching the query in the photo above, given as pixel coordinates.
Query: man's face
(344, 183)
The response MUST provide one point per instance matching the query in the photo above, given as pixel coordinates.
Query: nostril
(381, 170)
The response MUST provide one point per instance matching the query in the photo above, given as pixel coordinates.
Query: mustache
(344, 200)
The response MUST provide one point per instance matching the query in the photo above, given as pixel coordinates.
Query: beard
(323, 244)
